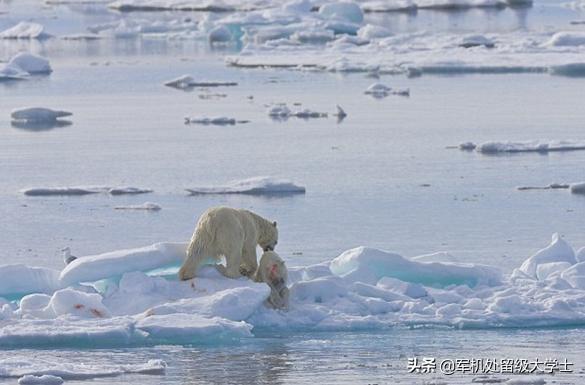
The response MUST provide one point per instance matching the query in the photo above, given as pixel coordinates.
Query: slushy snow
(133, 298)
(252, 186)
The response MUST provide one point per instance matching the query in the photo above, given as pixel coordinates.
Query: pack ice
(132, 297)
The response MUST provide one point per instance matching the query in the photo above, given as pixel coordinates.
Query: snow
(53, 369)
(38, 114)
(252, 186)
(45, 379)
(187, 82)
(148, 206)
(25, 30)
(133, 298)
(83, 190)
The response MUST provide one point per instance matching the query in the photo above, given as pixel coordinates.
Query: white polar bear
(232, 233)
(272, 270)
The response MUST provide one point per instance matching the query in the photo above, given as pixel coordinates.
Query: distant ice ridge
(133, 298)
(520, 147)
(252, 186)
(24, 64)
(83, 190)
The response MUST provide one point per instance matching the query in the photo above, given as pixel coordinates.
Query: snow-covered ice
(252, 186)
(25, 30)
(38, 114)
(30, 63)
(132, 297)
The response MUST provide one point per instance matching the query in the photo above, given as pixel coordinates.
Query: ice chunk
(36, 306)
(343, 10)
(547, 270)
(38, 114)
(114, 264)
(21, 279)
(575, 275)
(578, 188)
(567, 39)
(379, 90)
(73, 302)
(25, 30)
(30, 63)
(11, 72)
(45, 379)
(253, 186)
(467, 146)
(370, 265)
(128, 191)
(558, 251)
(370, 31)
(147, 206)
(217, 121)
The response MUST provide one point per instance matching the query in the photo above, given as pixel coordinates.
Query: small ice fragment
(148, 206)
(217, 121)
(252, 186)
(187, 82)
(128, 191)
(477, 41)
(38, 114)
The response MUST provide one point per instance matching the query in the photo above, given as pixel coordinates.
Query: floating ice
(38, 114)
(220, 35)
(147, 206)
(370, 31)
(188, 82)
(552, 186)
(25, 30)
(217, 121)
(379, 90)
(281, 112)
(532, 146)
(252, 186)
(81, 190)
(11, 72)
(133, 298)
(477, 41)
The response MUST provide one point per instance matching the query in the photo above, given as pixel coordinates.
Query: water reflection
(39, 126)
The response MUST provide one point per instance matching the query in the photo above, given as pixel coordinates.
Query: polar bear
(232, 233)
(272, 270)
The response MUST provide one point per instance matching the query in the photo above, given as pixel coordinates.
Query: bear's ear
(274, 223)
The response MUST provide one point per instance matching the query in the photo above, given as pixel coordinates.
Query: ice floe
(379, 90)
(24, 64)
(132, 298)
(578, 188)
(25, 30)
(281, 112)
(146, 206)
(38, 114)
(217, 121)
(529, 146)
(84, 190)
(186, 82)
(45, 379)
(252, 186)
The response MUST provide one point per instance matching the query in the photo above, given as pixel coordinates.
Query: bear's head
(268, 237)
